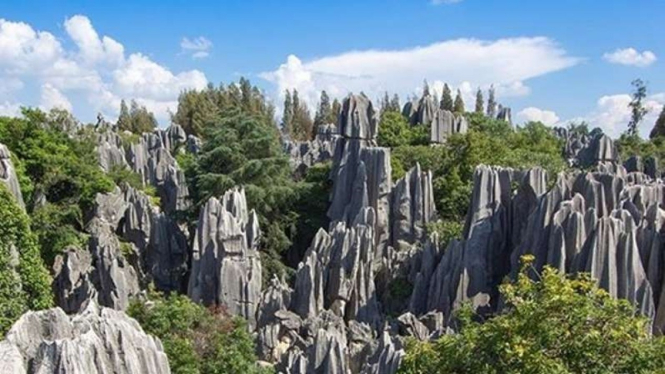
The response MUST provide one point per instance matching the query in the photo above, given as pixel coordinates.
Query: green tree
(287, 114)
(24, 281)
(458, 107)
(552, 325)
(142, 120)
(491, 103)
(124, 122)
(637, 108)
(336, 111)
(447, 98)
(302, 126)
(659, 127)
(394, 104)
(324, 111)
(196, 339)
(480, 102)
(195, 110)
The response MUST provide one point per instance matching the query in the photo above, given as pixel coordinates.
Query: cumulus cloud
(51, 97)
(89, 78)
(631, 57)
(506, 63)
(197, 48)
(534, 114)
(10, 109)
(612, 114)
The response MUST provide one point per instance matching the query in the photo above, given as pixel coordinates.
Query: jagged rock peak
(226, 269)
(412, 207)
(358, 119)
(8, 175)
(446, 123)
(98, 340)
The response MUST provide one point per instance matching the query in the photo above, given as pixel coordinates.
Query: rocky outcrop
(446, 123)
(98, 340)
(304, 155)
(226, 269)
(648, 166)
(412, 208)
(8, 175)
(110, 150)
(73, 285)
(361, 171)
(586, 151)
(504, 114)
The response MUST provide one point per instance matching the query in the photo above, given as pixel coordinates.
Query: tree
(554, 324)
(142, 120)
(302, 126)
(196, 339)
(196, 109)
(491, 103)
(659, 127)
(637, 108)
(124, 120)
(479, 102)
(459, 103)
(287, 114)
(24, 281)
(324, 111)
(446, 98)
(336, 111)
(394, 103)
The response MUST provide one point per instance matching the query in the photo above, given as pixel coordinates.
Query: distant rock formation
(304, 155)
(98, 340)
(412, 208)
(226, 269)
(446, 123)
(586, 151)
(504, 114)
(8, 175)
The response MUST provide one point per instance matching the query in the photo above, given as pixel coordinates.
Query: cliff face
(98, 340)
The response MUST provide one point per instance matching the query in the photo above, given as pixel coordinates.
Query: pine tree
(385, 103)
(302, 126)
(459, 103)
(336, 111)
(637, 108)
(491, 103)
(287, 116)
(447, 98)
(659, 128)
(394, 103)
(324, 110)
(479, 102)
(124, 121)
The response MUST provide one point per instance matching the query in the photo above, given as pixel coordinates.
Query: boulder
(8, 175)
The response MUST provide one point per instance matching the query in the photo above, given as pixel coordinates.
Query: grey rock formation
(110, 150)
(427, 107)
(648, 166)
(73, 284)
(587, 150)
(412, 208)
(304, 155)
(446, 123)
(504, 114)
(226, 269)
(98, 340)
(8, 175)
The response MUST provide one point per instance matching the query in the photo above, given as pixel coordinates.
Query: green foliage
(198, 109)
(395, 131)
(553, 325)
(446, 229)
(136, 120)
(58, 227)
(480, 103)
(24, 281)
(637, 108)
(491, 103)
(197, 340)
(447, 98)
(123, 175)
(458, 106)
(296, 121)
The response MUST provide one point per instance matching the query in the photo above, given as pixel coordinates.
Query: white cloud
(612, 114)
(506, 63)
(10, 109)
(90, 78)
(51, 97)
(529, 114)
(630, 56)
(197, 48)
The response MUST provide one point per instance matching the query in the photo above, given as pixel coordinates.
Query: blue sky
(551, 60)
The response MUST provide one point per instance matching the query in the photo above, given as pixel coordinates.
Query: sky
(553, 61)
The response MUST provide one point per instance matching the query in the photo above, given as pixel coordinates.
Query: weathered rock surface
(304, 155)
(98, 340)
(8, 175)
(226, 269)
(412, 208)
(504, 114)
(446, 123)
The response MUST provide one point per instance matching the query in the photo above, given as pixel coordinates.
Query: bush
(24, 281)
(556, 324)
(196, 339)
